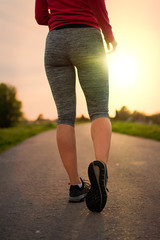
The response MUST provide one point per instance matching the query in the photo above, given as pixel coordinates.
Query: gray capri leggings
(82, 48)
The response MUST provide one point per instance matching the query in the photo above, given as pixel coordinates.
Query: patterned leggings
(81, 48)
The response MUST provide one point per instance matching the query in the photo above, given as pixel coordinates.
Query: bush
(123, 114)
(10, 107)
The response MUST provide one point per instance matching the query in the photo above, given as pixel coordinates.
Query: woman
(75, 40)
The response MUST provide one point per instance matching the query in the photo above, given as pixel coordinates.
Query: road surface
(34, 191)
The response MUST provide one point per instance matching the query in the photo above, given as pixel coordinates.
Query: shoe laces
(86, 183)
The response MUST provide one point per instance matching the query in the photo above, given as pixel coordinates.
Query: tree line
(10, 106)
(11, 110)
(124, 114)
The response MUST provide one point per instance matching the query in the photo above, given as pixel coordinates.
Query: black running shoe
(97, 196)
(77, 194)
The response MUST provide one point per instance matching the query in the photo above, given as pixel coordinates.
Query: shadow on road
(77, 222)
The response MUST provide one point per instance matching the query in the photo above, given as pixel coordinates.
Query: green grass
(12, 136)
(136, 129)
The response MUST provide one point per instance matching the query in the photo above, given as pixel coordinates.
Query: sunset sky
(134, 69)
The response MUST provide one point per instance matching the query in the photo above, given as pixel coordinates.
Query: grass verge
(12, 136)
(136, 129)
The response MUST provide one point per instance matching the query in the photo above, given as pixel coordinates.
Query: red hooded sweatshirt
(56, 13)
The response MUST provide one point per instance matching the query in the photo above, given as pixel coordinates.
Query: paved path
(34, 191)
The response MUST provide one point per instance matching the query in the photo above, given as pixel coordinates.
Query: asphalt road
(34, 191)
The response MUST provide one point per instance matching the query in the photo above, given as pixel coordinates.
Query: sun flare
(123, 69)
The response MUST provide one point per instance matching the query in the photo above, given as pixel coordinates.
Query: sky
(134, 69)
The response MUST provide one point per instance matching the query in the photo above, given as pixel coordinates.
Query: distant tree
(123, 114)
(10, 107)
(139, 117)
(135, 116)
(82, 119)
(155, 118)
(40, 117)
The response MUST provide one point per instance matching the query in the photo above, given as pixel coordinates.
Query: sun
(123, 68)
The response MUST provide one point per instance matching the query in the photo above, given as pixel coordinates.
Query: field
(12, 136)
(137, 129)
